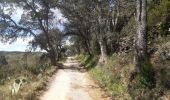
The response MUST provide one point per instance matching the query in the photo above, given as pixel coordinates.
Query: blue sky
(20, 44)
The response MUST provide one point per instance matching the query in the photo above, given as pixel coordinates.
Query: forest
(122, 47)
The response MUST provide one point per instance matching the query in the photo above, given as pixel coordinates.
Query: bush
(146, 79)
(3, 61)
(109, 78)
(39, 68)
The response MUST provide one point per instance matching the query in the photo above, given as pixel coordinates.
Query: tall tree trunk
(101, 21)
(117, 14)
(103, 50)
(141, 35)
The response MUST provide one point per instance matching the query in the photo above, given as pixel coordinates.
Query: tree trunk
(103, 50)
(87, 47)
(117, 14)
(141, 35)
(101, 21)
(53, 58)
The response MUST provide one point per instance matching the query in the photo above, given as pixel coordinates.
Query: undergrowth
(151, 84)
(107, 76)
(23, 77)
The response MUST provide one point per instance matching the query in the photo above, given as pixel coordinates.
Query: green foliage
(145, 78)
(165, 78)
(29, 72)
(109, 78)
(3, 61)
(81, 57)
(159, 17)
(39, 68)
(62, 60)
(110, 83)
(88, 61)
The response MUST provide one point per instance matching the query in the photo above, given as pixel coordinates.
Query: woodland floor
(73, 83)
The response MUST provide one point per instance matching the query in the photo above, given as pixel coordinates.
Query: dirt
(70, 83)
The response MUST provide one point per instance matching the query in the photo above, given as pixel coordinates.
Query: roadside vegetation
(114, 76)
(23, 75)
(124, 44)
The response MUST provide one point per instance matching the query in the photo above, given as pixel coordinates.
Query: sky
(20, 44)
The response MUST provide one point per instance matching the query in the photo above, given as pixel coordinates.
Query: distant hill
(17, 53)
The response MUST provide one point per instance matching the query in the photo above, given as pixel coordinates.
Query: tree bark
(103, 49)
(117, 14)
(140, 47)
(101, 32)
(53, 58)
(87, 47)
(53, 61)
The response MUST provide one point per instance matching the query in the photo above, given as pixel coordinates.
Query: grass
(31, 68)
(62, 60)
(107, 76)
(114, 77)
(90, 61)
(110, 83)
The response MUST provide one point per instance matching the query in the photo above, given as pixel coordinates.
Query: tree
(78, 13)
(97, 23)
(3, 61)
(140, 57)
(101, 27)
(38, 16)
(85, 19)
(56, 41)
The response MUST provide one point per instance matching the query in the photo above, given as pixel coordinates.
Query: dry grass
(29, 68)
(114, 77)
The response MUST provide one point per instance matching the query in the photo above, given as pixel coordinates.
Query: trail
(72, 84)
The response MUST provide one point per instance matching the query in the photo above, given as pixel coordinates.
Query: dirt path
(72, 84)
